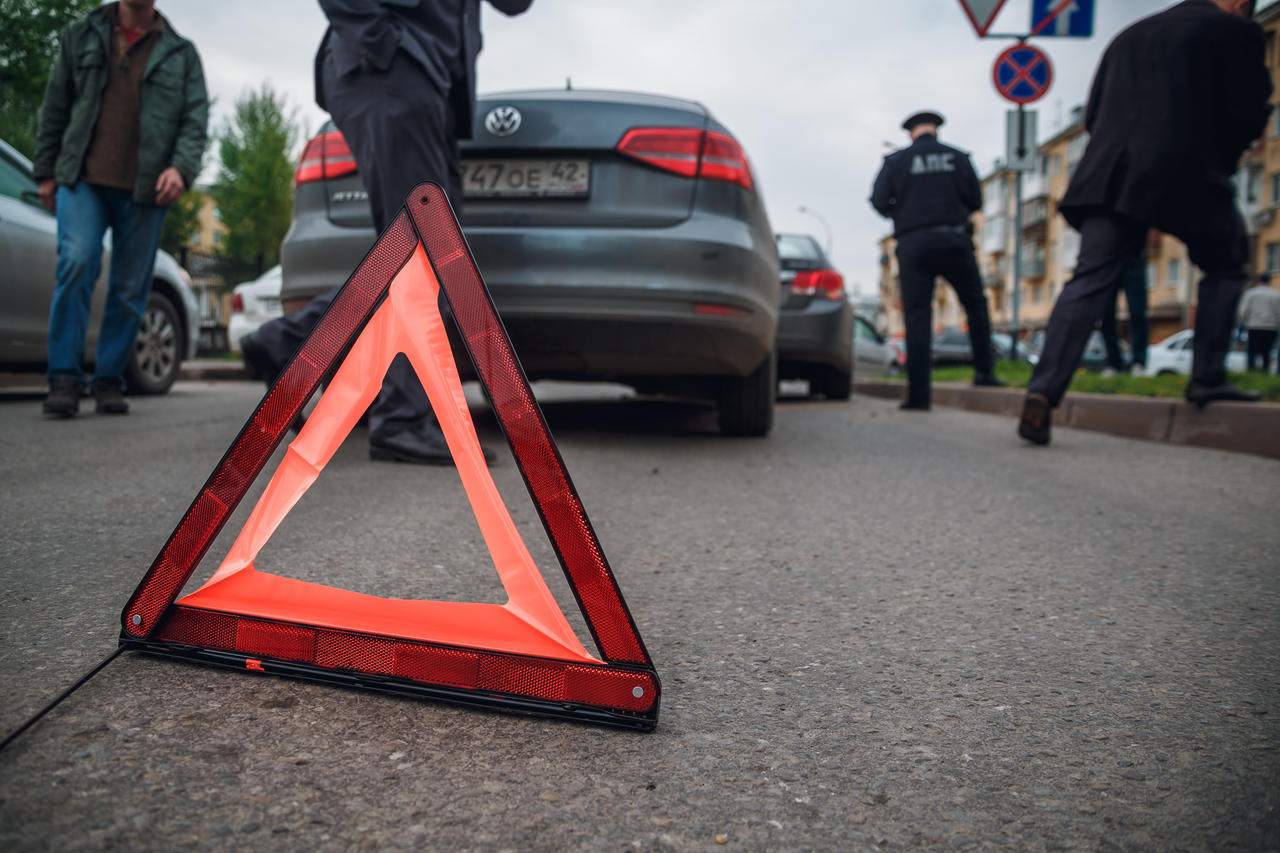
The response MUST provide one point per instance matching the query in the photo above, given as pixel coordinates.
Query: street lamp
(826, 226)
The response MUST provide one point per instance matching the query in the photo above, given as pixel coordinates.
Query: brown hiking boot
(110, 397)
(64, 397)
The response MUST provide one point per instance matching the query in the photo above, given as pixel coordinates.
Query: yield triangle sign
(982, 13)
(521, 655)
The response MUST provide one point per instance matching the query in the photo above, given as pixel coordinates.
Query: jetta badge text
(502, 121)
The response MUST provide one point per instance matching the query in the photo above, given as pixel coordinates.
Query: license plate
(526, 178)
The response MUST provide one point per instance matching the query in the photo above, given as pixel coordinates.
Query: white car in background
(252, 304)
(1172, 356)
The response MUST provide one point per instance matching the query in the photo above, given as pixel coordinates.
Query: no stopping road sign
(1022, 74)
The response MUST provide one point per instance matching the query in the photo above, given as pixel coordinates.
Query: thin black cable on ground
(72, 689)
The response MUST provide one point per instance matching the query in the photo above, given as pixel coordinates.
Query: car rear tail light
(828, 284)
(237, 303)
(327, 156)
(689, 152)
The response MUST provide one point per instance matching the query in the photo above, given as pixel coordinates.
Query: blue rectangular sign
(1075, 21)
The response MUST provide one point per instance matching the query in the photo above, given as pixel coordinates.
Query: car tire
(1167, 373)
(156, 358)
(836, 384)
(746, 404)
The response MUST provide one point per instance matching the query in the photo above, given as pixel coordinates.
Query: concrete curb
(1242, 427)
(211, 369)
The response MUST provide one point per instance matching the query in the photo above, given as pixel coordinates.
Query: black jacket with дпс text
(926, 184)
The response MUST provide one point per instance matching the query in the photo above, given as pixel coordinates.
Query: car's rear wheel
(836, 384)
(156, 358)
(746, 404)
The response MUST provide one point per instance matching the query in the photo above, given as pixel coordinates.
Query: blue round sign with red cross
(1022, 74)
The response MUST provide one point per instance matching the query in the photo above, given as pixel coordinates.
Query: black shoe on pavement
(1037, 419)
(64, 397)
(423, 445)
(110, 397)
(257, 356)
(908, 406)
(1202, 395)
(988, 380)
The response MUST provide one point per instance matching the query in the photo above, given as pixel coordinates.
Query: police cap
(926, 117)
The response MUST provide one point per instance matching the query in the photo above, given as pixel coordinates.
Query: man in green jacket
(122, 132)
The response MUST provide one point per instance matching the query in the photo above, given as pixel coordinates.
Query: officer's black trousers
(1108, 242)
(922, 257)
(401, 131)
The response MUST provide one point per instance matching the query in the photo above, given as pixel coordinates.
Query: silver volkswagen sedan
(623, 237)
(28, 256)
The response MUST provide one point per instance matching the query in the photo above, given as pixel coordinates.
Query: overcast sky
(812, 88)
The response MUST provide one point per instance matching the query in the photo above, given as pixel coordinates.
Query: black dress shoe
(1202, 395)
(988, 380)
(908, 406)
(422, 445)
(1037, 419)
(260, 358)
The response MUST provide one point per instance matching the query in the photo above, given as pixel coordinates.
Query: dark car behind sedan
(815, 320)
(622, 236)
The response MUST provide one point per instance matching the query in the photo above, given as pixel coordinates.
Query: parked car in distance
(1173, 356)
(952, 347)
(169, 329)
(1095, 351)
(252, 304)
(815, 319)
(872, 354)
(622, 236)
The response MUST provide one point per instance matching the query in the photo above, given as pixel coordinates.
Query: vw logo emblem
(502, 121)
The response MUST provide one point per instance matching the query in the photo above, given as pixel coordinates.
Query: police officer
(929, 190)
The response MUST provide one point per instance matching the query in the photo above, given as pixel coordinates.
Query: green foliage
(1018, 374)
(29, 31)
(254, 187)
(181, 222)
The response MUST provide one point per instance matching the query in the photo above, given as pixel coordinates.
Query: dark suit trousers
(401, 130)
(922, 257)
(1108, 242)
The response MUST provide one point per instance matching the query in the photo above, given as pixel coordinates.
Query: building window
(1273, 258)
(1253, 186)
(1153, 275)
(217, 238)
(1175, 272)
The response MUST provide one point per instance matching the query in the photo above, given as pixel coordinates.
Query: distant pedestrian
(122, 132)
(1260, 318)
(930, 190)
(1133, 281)
(1176, 100)
(399, 79)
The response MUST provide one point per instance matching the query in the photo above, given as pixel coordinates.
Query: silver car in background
(169, 331)
(622, 236)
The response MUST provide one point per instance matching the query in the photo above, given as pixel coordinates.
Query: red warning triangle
(521, 655)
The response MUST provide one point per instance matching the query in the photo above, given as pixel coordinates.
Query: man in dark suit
(1178, 97)
(930, 190)
(399, 79)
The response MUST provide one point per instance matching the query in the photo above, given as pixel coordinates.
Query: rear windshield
(797, 249)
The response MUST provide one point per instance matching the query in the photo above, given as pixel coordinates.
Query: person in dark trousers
(399, 80)
(1176, 100)
(1134, 283)
(122, 131)
(930, 190)
(1260, 320)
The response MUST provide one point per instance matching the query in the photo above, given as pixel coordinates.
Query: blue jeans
(84, 214)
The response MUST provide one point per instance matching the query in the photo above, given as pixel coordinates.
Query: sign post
(1021, 156)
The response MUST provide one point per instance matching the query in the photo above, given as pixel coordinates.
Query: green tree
(181, 222)
(254, 187)
(29, 31)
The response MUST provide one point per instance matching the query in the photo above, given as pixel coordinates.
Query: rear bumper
(821, 333)
(598, 304)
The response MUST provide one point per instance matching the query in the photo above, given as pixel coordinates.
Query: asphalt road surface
(876, 630)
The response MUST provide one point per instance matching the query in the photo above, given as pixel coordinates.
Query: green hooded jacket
(175, 107)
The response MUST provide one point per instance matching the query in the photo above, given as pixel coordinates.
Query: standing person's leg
(82, 221)
(961, 269)
(274, 343)
(1222, 251)
(1107, 242)
(1267, 341)
(1255, 349)
(1110, 335)
(916, 276)
(1134, 282)
(135, 238)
